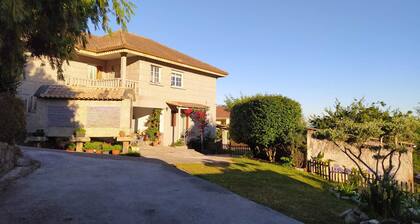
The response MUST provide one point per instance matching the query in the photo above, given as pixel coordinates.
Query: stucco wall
(197, 88)
(8, 157)
(338, 158)
(40, 119)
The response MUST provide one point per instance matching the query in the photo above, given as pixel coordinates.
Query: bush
(266, 123)
(71, 146)
(12, 119)
(106, 147)
(117, 147)
(93, 145)
(80, 132)
(180, 142)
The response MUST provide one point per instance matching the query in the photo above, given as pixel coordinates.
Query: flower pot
(98, 151)
(90, 150)
(116, 152)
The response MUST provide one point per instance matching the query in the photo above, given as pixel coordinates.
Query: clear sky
(310, 51)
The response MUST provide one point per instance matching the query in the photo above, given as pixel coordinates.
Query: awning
(83, 93)
(174, 105)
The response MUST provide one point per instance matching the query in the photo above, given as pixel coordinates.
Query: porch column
(123, 67)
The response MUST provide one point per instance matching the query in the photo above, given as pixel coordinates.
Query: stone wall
(339, 159)
(8, 157)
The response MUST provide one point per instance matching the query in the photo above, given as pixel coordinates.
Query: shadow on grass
(295, 193)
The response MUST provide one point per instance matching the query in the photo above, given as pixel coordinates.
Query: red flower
(188, 111)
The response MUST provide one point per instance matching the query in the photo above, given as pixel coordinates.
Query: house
(113, 84)
(222, 116)
(223, 121)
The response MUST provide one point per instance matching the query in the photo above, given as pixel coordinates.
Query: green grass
(295, 193)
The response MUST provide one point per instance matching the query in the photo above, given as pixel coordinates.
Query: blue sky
(310, 51)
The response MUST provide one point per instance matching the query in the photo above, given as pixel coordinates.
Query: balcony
(102, 83)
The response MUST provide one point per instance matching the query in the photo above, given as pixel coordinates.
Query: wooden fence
(233, 149)
(327, 172)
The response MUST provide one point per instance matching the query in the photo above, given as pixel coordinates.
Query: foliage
(71, 146)
(12, 119)
(384, 198)
(360, 127)
(294, 193)
(357, 125)
(51, 29)
(117, 147)
(93, 145)
(180, 142)
(286, 161)
(106, 147)
(153, 123)
(267, 123)
(80, 132)
(199, 117)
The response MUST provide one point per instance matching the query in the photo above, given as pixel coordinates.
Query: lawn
(295, 193)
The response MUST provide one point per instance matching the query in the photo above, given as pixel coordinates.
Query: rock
(371, 221)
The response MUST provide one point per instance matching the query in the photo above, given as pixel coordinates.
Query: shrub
(39, 133)
(93, 145)
(266, 123)
(80, 132)
(71, 146)
(153, 123)
(12, 119)
(179, 142)
(116, 147)
(106, 147)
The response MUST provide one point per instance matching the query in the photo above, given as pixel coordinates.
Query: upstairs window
(176, 80)
(155, 74)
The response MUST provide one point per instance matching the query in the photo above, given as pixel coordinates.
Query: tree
(360, 127)
(267, 123)
(50, 29)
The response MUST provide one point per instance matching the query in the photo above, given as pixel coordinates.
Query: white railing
(103, 83)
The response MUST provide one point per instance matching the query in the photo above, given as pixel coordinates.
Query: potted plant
(106, 148)
(71, 147)
(116, 149)
(89, 147)
(97, 146)
(80, 132)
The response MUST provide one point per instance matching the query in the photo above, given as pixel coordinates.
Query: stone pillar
(123, 67)
(225, 137)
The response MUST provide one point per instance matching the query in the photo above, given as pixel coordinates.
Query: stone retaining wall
(8, 157)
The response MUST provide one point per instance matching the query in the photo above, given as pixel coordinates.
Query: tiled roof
(187, 105)
(124, 40)
(82, 93)
(222, 112)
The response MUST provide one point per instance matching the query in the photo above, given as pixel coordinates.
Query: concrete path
(76, 188)
(174, 155)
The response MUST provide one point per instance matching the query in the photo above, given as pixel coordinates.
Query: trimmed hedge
(266, 123)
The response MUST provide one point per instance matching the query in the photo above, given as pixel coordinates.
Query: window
(176, 79)
(92, 72)
(155, 74)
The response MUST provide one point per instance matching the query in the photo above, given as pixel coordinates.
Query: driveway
(76, 188)
(175, 155)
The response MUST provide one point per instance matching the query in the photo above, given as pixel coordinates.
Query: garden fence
(233, 149)
(327, 172)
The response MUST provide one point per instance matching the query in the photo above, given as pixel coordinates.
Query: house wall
(197, 88)
(85, 111)
(338, 158)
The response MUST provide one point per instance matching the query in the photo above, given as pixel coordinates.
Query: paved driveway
(71, 188)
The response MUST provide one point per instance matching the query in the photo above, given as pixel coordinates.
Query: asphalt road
(74, 188)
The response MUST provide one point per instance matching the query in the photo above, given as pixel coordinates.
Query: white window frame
(179, 74)
(93, 71)
(153, 74)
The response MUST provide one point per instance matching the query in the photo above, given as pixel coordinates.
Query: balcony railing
(103, 83)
